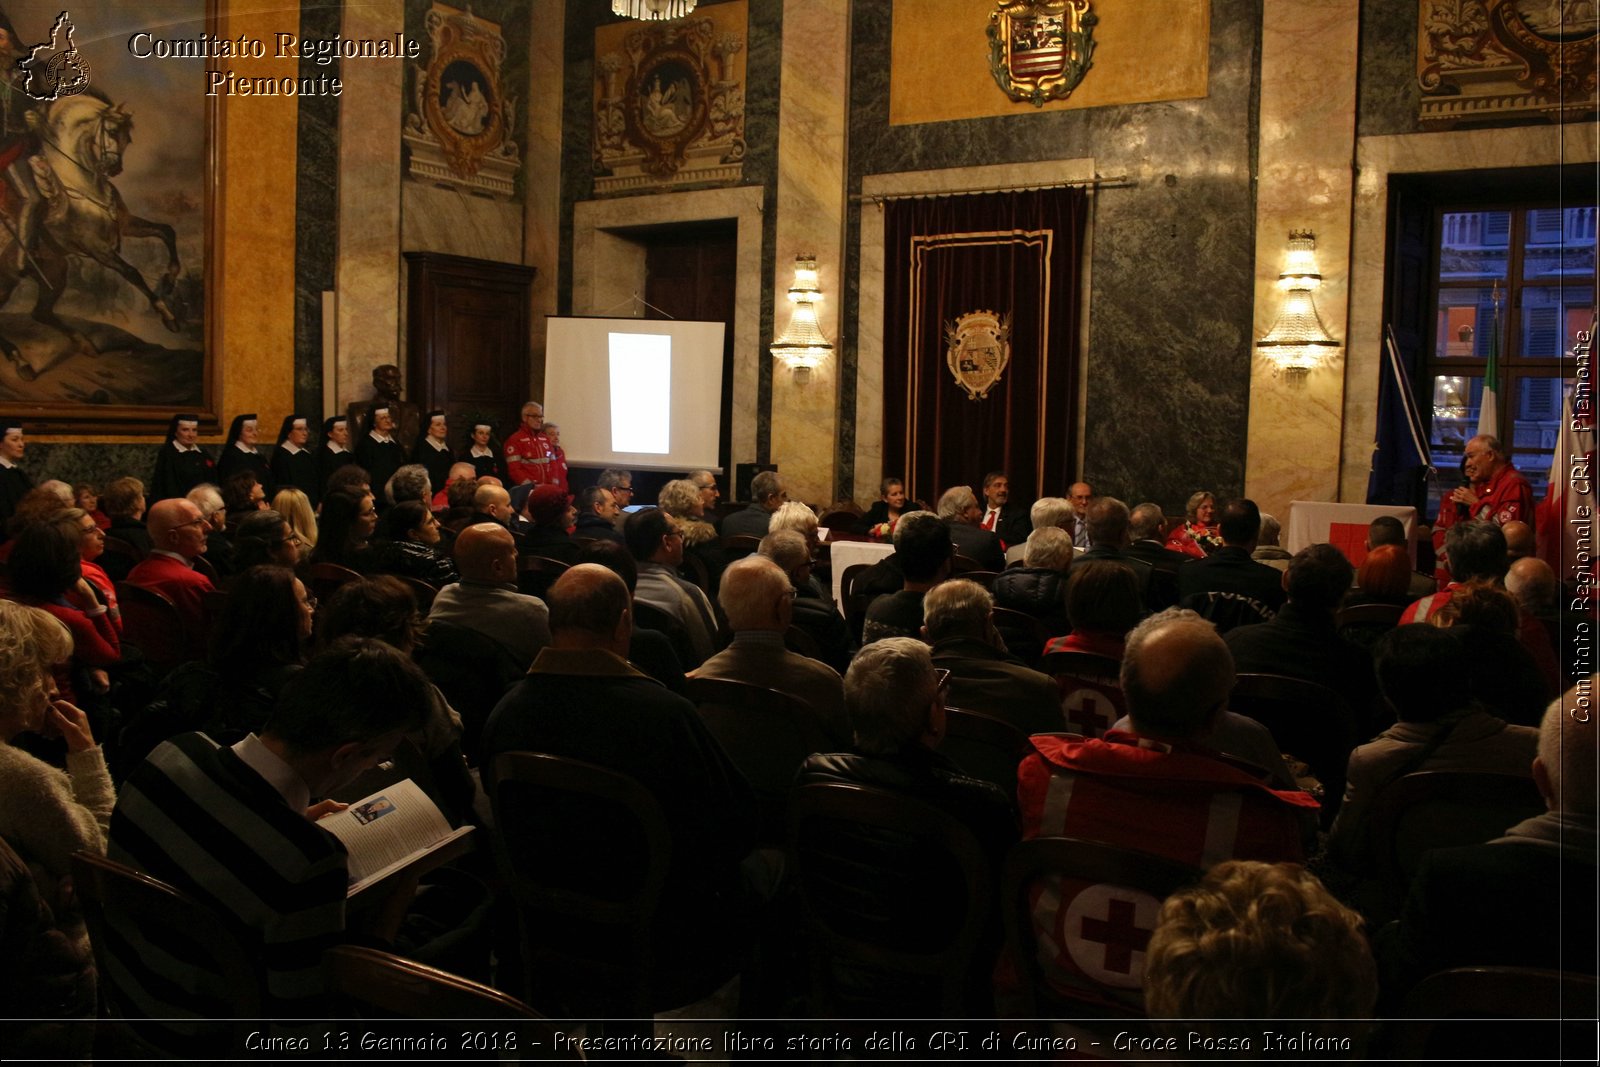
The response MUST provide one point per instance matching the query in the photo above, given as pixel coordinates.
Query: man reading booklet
(235, 828)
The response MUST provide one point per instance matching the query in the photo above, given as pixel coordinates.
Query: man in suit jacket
(769, 494)
(177, 538)
(958, 621)
(1107, 521)
(1146, 530)
(1230, 569)
(758, 599)
(1525, 899)
(959, 508)
(1010, 522)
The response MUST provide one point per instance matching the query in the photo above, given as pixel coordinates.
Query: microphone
(1461, 509)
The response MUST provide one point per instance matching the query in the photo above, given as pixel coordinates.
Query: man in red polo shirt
(1496, 492)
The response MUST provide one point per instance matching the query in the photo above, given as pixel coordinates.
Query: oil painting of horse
(102, 235)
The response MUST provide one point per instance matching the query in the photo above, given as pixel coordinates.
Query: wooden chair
(585, 852)
(962, 566)
(326, 578)
(204, 566)
(125, 553)
(215, 602)
(1307, 720)
(981, 576)
(854, 605)
(740, 545)
(984, 746)
(1501, 1004)
(694, 569)
(1090, 688)
(653, 618)
(1384, 615)
(151, 623)
(767, 735)
(423, 591)
(1131, 886)
(381, 985)
(117, 900)
(1025, 636)
(1442, 809)
(840, 519)
(892, 887)
(801, 643)
(535, 574)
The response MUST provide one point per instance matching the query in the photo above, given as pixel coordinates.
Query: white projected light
(641, 393)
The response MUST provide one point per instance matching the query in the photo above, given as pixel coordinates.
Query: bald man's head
(1176, 675)
(1519, 539)
(590, 608)
(486, 552)
(492, 500)
(1533, 583)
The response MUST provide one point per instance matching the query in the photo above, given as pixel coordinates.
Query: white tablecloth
(1312, 521)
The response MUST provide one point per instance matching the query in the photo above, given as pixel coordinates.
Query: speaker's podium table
(1344, 526)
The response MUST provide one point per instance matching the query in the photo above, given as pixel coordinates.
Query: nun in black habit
(181, 464)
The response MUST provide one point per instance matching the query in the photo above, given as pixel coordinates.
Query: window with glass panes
(1541, 262)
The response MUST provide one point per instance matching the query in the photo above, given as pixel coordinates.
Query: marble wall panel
(367, 273)
(810, 220)
(316, 208)
(1388, 95)
(1307, 137)
(541, 238)
(1172, 270)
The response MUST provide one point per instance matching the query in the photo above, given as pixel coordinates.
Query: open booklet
(389, 830)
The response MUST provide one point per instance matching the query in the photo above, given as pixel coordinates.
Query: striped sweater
(197, 817)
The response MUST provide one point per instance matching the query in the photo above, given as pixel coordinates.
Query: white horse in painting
(82, 141)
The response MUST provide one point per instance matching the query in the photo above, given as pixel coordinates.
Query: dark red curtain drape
(947, 261)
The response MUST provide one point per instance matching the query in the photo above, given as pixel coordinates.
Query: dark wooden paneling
(467, 338)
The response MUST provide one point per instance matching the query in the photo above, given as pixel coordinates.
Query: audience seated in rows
(657, 547)
(649, 650)
(263, 538)
(958, 507)
(758, 600)
(1159, 786)
(279, 878)
(958, 622)
(811, 613)
(410, 546)
(1510, 681)
(486, 600)
(582, 700)
(1048, 512)
(1525, 899)
(1424, 676)
(1235, 589)
(923, 550)
(1267, 549)
(1301, 640)
(1036, 588)
(685, 502)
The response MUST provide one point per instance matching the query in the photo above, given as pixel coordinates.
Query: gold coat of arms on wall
(979, 349)
(1039, 50)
